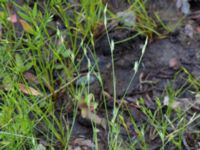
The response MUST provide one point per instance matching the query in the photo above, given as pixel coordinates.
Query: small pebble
(174, 63)
(189, 30)
(128, 18)
(85, 80)
(198, 29)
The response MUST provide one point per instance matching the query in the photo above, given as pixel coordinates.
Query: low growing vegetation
(45, 90)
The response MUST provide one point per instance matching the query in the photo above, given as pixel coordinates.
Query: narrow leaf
(35, 10)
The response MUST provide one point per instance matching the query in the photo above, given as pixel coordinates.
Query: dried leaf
(182, 103)
(29, 90)
(174, 105)
(27, 27)
(87, 113)
(84, 142)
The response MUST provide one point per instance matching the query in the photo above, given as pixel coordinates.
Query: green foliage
(23, 116)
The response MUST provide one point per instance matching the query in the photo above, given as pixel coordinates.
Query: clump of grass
(145, 25)
(45, 57)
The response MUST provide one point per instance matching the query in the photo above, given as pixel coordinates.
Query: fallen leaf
(174, 105)
(12, 18)
(183, 103)
(27, 27)
(84, 142)
(87, 113)
(29, 90)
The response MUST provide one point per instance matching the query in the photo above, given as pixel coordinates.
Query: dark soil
(160, 68)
